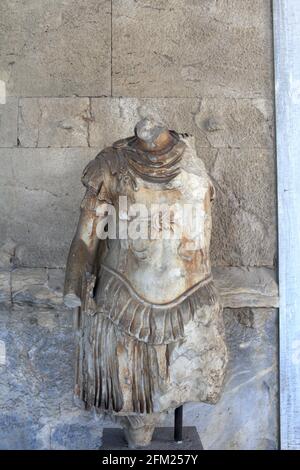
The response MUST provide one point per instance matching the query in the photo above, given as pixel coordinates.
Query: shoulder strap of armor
(93, 175)
(99, 169)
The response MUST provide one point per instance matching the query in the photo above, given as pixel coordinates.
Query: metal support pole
(178, 424)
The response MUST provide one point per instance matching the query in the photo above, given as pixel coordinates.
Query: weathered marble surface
(36, 385)
(216, 123)
(56, 48)
(245, 212)
(5, 287)
(35, 286)
(7, 255)
(45, 122)
(247, 287)
(39, 204)
(192, 48)
(246, 417)
(8, 123)
(238, 287)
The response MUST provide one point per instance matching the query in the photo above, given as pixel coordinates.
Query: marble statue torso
(172, 259)
(151, 333)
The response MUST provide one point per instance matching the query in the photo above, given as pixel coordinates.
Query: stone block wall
(78, 75)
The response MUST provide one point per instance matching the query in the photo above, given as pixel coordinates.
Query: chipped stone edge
(254, 287)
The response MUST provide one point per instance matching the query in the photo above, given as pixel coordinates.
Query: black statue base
(163, 439)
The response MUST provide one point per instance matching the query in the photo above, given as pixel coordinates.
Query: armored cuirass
(165, 252)
(153, 302)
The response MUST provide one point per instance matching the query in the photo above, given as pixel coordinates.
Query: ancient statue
(151, 333)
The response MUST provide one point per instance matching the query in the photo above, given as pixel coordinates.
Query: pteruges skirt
(134, 357)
